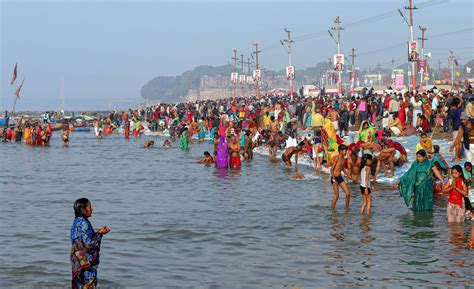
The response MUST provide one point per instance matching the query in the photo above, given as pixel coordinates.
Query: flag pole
(14, 95)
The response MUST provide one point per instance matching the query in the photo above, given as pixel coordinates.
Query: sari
(85, 248)
(417, 183)
(184, 145)
(222, 156)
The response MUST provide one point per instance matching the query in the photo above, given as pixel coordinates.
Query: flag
(17, 92)
(468, 69)
(14, 75)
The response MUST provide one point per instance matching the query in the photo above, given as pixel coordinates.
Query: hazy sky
(107, 50)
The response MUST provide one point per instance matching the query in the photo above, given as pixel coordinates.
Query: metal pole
(413, 75)
(257, 67)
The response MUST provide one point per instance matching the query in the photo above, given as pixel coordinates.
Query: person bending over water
(85, 246)
(290, 151)
(208, 159)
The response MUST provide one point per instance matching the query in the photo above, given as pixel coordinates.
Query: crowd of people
(317, 128)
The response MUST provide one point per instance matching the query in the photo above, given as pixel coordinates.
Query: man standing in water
(234, 152)
(337, 180)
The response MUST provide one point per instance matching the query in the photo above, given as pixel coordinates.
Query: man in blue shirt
(455, 116)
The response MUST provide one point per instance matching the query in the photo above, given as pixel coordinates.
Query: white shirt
(434, 104)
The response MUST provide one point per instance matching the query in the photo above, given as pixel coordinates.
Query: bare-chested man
(353, 164)
(290, 151)
(234, 152)
(248, 147)
(336, 178)
(386, 155)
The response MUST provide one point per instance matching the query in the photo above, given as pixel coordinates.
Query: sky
(105, 51)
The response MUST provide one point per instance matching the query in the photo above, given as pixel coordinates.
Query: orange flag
(19, 89)
(14, 75)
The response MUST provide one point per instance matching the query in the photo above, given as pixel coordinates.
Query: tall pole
(62, 93)
(243, 73)
(234, 70)
(353, 66)
(379, 76)
(338, 27)
(439, 68)
(289, 41)
(413, 74)
(451, 62)
(249, 74)
(257, 68)
(423, 30)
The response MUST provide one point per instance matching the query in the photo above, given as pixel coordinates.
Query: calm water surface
(176, 224)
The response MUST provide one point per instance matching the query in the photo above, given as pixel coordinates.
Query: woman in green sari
(185, 137)
(366, 132)
(417, 183)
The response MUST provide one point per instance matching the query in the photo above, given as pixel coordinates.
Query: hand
(104, 230)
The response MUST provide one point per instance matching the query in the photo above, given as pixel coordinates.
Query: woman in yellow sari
(366, 132)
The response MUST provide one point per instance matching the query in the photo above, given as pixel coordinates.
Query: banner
(422, 64)
(339, 62)
(242, 79)
(234, 77)
(290, 72)
(256, 75)
(412, 51)
(399, 78)
(352, 76)
(249, 79)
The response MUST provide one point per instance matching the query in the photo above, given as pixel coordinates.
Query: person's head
(207, 154)
(272, 118)
(342, 149)
(421, 155)
(468, 166)
(423, 137)
(82, 208)
(457, 173)
(366, 160)
(365, 124)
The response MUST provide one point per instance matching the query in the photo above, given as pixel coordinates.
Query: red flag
(17, 92)
(14, 75)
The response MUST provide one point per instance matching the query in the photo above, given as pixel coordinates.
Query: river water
(177, 224)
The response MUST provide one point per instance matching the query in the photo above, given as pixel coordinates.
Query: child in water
(365, 187)
(167, 144)
(148, 144)
(297, 176)
(208, 159)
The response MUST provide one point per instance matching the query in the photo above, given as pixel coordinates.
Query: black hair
(436, 149)
(342, 147)
(79, 207)
(423, 134)
(421, 152)
(459, 169)
(206, 153)
(468, 164)
(365, 157)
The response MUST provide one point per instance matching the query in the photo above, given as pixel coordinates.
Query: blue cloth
(85, 247)
(455, 116)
